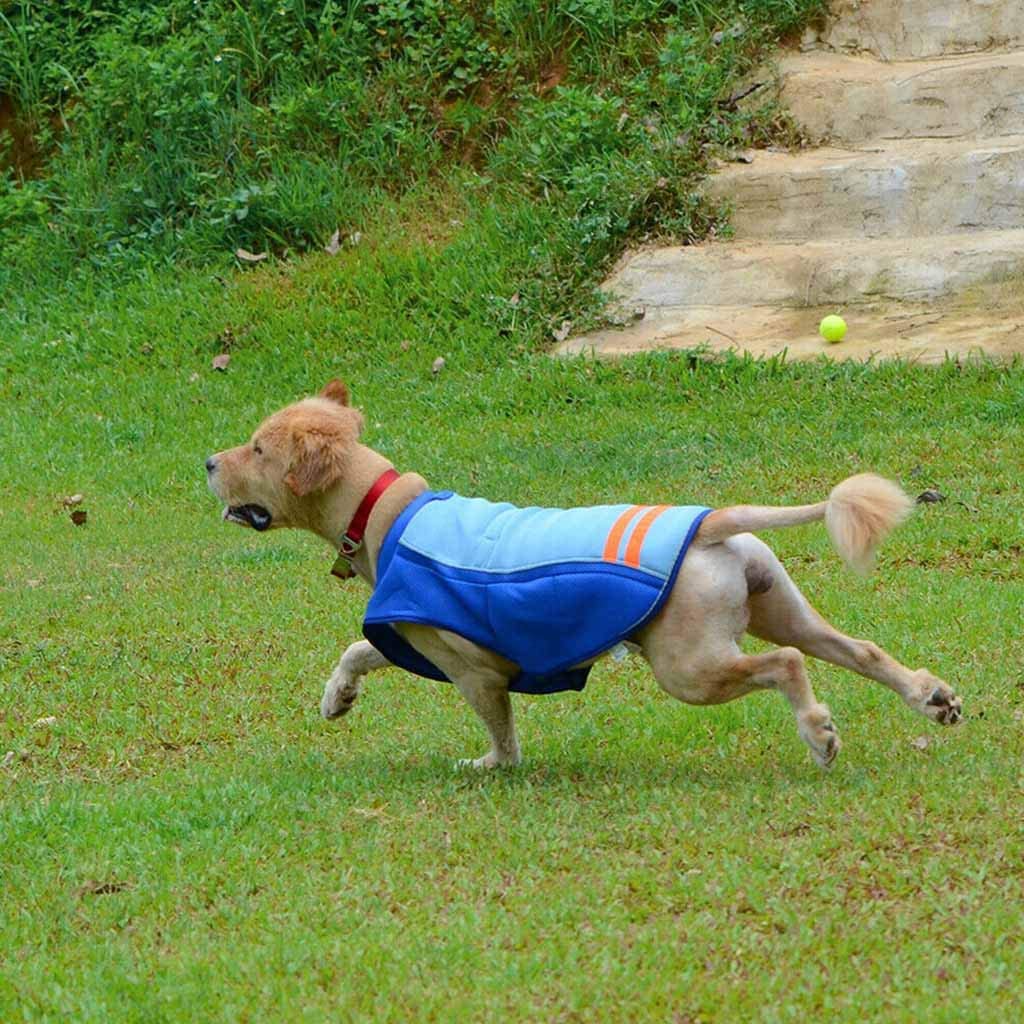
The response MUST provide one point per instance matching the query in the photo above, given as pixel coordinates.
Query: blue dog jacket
(546, 588)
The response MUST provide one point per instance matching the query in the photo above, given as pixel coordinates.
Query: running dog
(498, 599)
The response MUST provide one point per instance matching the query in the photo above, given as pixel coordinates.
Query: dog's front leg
(343, 687)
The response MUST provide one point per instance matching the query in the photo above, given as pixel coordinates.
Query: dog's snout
(211, 464)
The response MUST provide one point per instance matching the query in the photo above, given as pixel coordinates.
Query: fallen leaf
(514, 301)
(95, 888)
(193, 378)
(563, 332)
(8, 759)
(45, 720)
(79, 516)
(332, 247)
(221, 362)
(438, 365)
(920, 742)
(250, 257)
(930, 497)
(72, 500)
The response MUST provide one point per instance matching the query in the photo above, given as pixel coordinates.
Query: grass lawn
(182, 837)
(189, 840)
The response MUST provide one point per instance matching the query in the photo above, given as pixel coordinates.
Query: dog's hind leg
(783, 670)
(487, 694)
(693, 650)
(781, 614)
(342, 688)
(482, 677)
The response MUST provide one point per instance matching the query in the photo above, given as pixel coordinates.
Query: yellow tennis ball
(833, 328)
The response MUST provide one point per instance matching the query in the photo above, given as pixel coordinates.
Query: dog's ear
(336, 391)
(320, 450)
(318, 458)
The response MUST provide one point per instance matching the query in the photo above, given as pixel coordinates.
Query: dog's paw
(488, 761)
(817, 731)
(936, 700)
(339, 696)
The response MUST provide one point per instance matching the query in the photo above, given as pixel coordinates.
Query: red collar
(352, 538)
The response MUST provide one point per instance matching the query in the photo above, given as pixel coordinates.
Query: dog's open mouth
(255, 516)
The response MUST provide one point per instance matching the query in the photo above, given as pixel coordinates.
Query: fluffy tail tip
(861, 511)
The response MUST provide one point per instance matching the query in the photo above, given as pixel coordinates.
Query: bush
(183, 129)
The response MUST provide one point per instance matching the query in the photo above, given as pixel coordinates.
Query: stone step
(815, 273)
(922, 333)
(907, 188)
(905, 29)
(855, 99)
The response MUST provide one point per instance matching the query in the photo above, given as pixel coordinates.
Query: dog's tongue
(255, 516)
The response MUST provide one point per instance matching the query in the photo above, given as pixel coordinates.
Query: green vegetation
(182, 130)
(188, 840)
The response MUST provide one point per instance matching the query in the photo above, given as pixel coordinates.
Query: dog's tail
(859, 513)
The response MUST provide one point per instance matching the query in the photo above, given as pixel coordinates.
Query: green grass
(143, 133)
(188, 840)
(191, 841)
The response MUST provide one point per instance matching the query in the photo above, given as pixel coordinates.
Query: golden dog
(305, 467)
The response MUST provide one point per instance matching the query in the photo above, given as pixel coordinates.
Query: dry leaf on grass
(96, 888)
(221, 362)
(920, 742)
(72, 500)
(438, 365)
(334, 244)
(250, 257)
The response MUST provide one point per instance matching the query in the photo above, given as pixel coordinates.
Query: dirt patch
(17, 147)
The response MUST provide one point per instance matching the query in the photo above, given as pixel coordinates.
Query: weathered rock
(856, 99)
(921, 333)
(909, 188)
(816, 273)
(894, 29)
(919, 213)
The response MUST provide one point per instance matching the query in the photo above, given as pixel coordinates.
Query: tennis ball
(833, 328)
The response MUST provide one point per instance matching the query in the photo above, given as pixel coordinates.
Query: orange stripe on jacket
(611, 545)
(636, 541)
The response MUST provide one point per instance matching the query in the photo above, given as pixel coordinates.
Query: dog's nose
(211, 464)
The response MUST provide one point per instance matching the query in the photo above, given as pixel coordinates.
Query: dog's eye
(257, 449)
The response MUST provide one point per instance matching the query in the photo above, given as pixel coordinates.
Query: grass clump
(184, 130)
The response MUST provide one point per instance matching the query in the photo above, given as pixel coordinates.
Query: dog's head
(280, 476)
